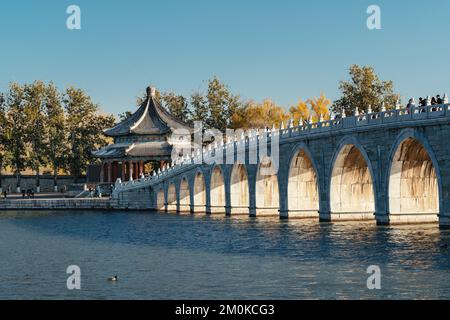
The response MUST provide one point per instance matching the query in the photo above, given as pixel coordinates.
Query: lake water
(184, 257)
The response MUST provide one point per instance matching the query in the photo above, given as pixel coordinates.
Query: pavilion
(143, 137)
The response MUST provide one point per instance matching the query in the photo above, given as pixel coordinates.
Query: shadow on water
(413, 245)
(219, 257)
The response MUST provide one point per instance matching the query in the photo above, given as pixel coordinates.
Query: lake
(167, 256)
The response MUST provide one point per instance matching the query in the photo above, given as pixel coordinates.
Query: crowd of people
(434, 100)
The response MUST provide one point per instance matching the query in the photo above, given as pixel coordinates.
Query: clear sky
(282, 50)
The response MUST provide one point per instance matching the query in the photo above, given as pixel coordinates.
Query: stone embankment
(58, 204)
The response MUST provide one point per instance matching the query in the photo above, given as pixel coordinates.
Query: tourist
(433, 101)
(439, 99)
(5, 195)
(421, 102)
(23, 194)
(410, 104)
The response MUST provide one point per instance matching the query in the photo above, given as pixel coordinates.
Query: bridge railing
(303, 128)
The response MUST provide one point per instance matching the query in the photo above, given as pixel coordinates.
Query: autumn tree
(254, 115)
(320, 107)
(300, 112)
(364, 89)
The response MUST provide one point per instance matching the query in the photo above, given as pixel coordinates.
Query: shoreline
(59, 204)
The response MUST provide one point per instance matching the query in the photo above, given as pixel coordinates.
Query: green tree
(222, 104)
(125, 115)
(85, 125)
(199, 108)
(177, 105)
(4, 128)
(18, 128)
(363, 90)
(56, 128)
(36, 130)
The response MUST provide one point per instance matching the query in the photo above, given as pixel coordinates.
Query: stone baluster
(321, 119)
(445, 98)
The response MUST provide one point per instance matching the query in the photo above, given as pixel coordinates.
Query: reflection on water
(186, 257)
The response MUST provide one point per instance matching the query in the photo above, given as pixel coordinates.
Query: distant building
(143, 137)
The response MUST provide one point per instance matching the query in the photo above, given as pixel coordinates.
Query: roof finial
(151, 92)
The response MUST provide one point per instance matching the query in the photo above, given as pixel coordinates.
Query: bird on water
(115, 278)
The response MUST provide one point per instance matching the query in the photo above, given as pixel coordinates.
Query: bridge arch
(161, 200)
(239, 190)
(199, 194)
(303, 184)
(352, 186)
(267, 194)
(413, 180)
(185, 196)
(172, 198)
(217, 190)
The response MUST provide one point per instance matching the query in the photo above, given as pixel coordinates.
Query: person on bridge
(433, 101)
(439, 99)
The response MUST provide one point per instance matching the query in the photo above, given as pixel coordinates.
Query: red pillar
(124, 172)
(102, 173)
(130, 170)
(109, 172)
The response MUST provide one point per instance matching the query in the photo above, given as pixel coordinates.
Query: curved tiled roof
(137, 149)
(150, 118)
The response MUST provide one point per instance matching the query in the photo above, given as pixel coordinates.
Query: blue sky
(284, 50)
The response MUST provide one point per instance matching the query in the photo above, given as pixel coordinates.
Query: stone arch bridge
(390, 167)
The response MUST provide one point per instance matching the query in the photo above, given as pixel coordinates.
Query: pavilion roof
(148, 149)
(151, 118)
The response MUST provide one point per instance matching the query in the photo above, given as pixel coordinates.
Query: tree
(221, 105)
(253, 115)
(319, 106)
(36, 130)
(177, 105)
(363, 90)
(56, 151)
(85, 126)
(300, 112)
(125, 115)
(17, 129)
(4, 128)
(199, 107)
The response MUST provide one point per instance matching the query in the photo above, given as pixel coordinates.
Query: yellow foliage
(254, 115)
(300, 111)
(320, 107)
